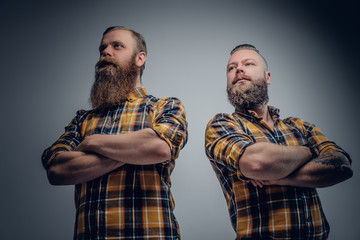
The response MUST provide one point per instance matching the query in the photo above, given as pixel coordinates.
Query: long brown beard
(112, 83)
(250, 98)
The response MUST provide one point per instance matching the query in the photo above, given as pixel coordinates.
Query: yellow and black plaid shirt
(271, 212)
(134, 201)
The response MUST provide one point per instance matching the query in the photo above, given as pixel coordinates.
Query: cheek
(230, 77)
(229, 84)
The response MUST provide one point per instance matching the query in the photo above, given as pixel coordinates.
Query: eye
(231, 68)
(102, 48)
(249, 64)
(118, 46)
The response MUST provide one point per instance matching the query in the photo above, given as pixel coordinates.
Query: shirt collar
(274, 113)
(137, 93)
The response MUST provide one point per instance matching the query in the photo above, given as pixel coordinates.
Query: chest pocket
(289, 135)
(116, 122)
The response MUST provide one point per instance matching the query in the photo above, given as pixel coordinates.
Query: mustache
(240, 76)
(103, 62)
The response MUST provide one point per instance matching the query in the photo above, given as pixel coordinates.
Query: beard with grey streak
(250, 97)
(113, 83)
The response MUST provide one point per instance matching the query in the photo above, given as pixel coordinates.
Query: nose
(239, 69)
(106, 52)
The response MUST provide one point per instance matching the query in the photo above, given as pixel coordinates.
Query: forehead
(244, 54)
(119, 35)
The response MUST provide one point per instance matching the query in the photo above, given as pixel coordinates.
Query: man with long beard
(269, 168)
(121, 153)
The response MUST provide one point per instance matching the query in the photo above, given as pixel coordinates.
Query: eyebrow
(232, 63)
(244, 60)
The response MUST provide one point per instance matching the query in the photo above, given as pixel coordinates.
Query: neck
(263, 112)
(138, 82)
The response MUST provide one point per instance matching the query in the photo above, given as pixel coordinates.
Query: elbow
(251, 164)
(344, 170)
(260, 167)
(163, 151)
(347, 172)
(341, 176)
(54, 177)
(252, 167)
(343, 173)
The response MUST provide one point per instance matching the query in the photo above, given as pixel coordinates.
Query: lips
(104, 63)
(241, 80)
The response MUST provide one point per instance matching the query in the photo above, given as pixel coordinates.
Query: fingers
(257, 183)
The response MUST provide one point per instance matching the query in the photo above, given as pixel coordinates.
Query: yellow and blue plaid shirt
(271, 212)
(133, 201)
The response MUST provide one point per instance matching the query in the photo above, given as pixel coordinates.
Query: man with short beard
(120, 154)
(269, 167)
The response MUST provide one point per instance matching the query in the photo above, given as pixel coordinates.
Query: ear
(140, 59)
(268, 77)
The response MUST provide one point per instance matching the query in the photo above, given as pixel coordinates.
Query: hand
(256, 183)
(84, 146)
(262, 183)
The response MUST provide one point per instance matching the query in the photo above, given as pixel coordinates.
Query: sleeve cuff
(239, 173)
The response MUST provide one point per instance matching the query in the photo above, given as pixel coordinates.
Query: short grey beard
(251, 98)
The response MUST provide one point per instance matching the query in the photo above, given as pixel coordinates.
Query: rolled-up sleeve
(319, 143)
(170, 124)
(226, 141)
(67, 141)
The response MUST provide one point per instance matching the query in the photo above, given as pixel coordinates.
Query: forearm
(268, 161)
(326, 170)
(78, 167)
(140, 148)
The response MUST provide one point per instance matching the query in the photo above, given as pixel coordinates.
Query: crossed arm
(228, 142)
(272, 164)
(99, 154)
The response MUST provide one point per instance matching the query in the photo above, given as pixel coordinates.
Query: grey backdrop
(49, 50)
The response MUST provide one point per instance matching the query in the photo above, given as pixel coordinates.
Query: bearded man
(120, 154)
(269, 168)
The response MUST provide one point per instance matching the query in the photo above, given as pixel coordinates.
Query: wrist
(307, 153)
(312, 150)
(89, 143)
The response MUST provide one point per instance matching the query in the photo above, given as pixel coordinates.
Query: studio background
(49, 50)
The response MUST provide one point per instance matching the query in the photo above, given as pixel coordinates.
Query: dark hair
(140, 41)
(246, 46)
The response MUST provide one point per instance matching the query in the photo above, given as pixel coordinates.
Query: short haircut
(246, 46)
(140, 41)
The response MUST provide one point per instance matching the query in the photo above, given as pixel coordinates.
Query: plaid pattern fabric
(134, 201)
(280, 212)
